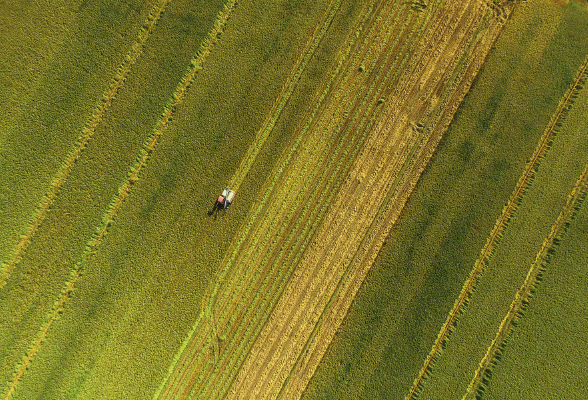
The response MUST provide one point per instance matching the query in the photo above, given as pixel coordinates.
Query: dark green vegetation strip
(392, 324)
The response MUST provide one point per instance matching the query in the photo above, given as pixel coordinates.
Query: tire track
(56, 184)
(496, 233)
(523, 295)
(196, 65)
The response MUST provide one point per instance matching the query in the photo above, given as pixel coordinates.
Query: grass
(53, 98)
(397, 313)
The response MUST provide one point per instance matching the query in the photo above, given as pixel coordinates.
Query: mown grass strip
(196, 65)
(496, 233)
(521, 300)
(56, 184)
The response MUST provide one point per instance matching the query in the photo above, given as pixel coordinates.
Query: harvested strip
(119, 79)
(523, 295)
(496, 234)
(197, 62)
(278, 347)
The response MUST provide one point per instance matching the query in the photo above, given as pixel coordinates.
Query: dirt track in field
(294, 268)
(119, 80)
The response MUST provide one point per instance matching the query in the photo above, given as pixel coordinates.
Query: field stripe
(523, 295)
(247, 161)
(496, 233)
(124, 190)
(119, 80)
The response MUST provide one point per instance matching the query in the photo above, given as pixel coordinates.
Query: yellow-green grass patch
(35, 286)
(396, 316)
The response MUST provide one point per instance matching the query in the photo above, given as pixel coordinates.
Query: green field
(396, 316)
(545, 357)
(121, 123)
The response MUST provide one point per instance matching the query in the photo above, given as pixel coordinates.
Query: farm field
(419, 273)
(53, 82)
(121, 280)
(544, 355)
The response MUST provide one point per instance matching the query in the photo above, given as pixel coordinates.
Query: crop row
(521, 301)
(56, 184)
(124, 190)
(496, 234)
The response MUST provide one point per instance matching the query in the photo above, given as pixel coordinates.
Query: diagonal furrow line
(497, 231)
(56, 184)
(124, 190)
(524, 293)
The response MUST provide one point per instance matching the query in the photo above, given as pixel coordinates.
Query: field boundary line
(521, 300)
(496, 234)
(56, 183)
(124, 190)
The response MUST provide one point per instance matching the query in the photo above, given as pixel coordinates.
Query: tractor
(225, 199)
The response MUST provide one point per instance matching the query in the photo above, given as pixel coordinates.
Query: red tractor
(225, 199)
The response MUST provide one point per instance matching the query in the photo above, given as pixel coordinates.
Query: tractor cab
(225, 199)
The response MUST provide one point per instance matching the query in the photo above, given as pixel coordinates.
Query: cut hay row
(124, 190)
(56, 184)
(322, 200)
(521, 301)
(494, 238)
(308, 355)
